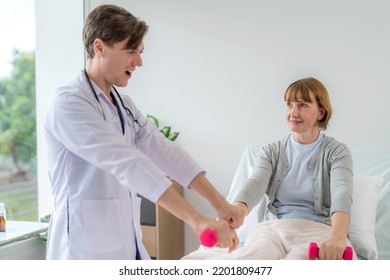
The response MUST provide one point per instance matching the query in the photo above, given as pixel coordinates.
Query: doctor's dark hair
(112, 24)
(300, 90)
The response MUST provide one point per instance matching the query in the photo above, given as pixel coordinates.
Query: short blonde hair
(301, 89)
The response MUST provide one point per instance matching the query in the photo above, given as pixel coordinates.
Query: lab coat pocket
(103, 226)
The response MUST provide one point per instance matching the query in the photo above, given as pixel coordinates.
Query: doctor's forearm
(203, 186)
(180, 208)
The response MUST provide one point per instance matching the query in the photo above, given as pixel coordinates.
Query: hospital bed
(370, 216)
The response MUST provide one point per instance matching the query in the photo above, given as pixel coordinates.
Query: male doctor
(102, 152)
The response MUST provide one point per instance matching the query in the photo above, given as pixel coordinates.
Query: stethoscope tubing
(128, 111)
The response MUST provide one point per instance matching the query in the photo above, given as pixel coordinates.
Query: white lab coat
(96, 173)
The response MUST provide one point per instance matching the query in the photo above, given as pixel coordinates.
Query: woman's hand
(332, 249)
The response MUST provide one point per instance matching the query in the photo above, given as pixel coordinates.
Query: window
(18, 172)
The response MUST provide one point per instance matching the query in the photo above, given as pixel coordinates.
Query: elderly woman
(306, 181)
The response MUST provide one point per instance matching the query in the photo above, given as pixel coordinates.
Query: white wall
(217, 70)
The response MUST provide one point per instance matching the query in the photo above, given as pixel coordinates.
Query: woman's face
(302, 116)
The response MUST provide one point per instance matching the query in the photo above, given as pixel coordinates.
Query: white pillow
(363, 214)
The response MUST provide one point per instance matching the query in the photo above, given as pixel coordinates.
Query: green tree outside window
(18, 139)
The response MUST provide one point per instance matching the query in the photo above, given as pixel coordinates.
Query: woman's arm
(333, 249)
(341, 188)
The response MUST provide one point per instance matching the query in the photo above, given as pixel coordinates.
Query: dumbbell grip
(313, 252)
(208, 238)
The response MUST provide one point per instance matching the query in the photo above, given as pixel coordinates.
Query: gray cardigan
(331, 174)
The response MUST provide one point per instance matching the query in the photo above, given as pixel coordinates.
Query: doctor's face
(119, 62)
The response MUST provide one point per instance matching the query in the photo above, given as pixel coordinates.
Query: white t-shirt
(294, 198)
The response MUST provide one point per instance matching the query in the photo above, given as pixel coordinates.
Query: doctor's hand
(226, 235)
(178, 206)
(233, 214)
(225, 211)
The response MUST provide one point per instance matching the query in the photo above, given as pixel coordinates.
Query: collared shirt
(96, 173)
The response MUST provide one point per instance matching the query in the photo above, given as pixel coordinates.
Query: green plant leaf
(153, 119)
(173, 136)
(166, 131)
(45, 219)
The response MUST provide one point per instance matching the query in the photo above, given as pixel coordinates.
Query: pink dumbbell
(313, 252)
(208, 238)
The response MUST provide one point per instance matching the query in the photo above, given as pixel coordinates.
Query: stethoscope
(129, 113)
(119, 112)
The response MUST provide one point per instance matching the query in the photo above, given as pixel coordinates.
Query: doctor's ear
(98, 47)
